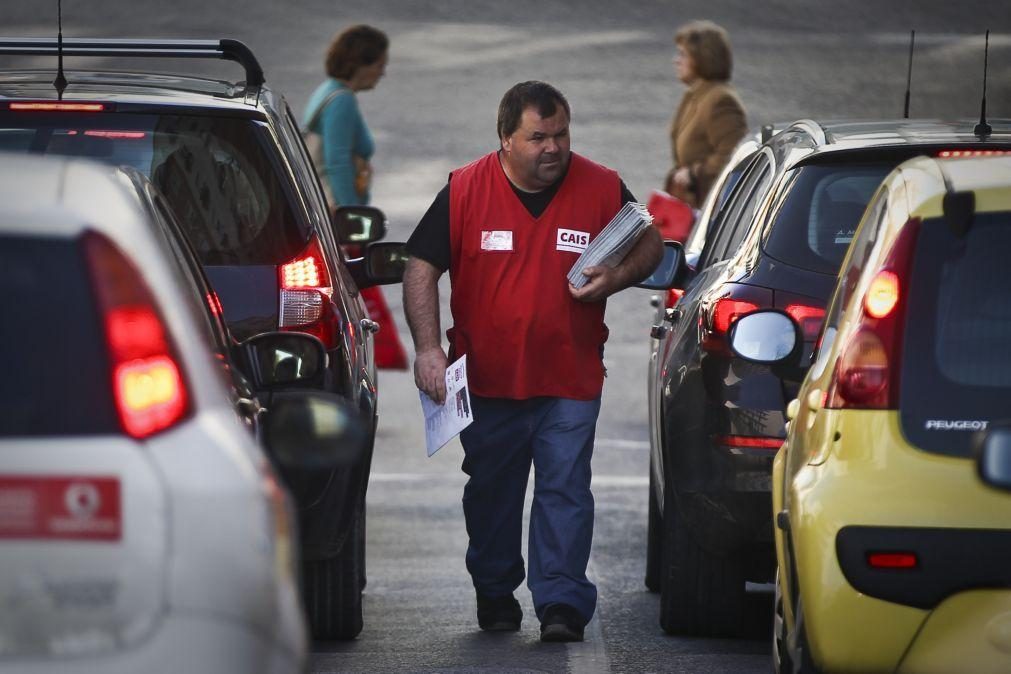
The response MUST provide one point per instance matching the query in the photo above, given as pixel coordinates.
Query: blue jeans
(556, 436)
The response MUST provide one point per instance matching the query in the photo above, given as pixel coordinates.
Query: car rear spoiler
(226, 49)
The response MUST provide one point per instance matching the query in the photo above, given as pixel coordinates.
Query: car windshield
(956, 373)
(814, 224)
(214, 171)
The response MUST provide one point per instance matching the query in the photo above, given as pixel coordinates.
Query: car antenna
(909, 73)
(60, 82)
(983, 129)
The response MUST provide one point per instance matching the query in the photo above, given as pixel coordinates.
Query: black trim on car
(948, 561)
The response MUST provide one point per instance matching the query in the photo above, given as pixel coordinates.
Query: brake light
(715, 320)
(809, 318)
(961, 154)
(116, 135)
(305, 294)
(748, 441)
(147, 383)
(891, 560)
(55, 106)
(867, 372)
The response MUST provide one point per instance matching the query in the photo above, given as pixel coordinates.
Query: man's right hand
(430, 373)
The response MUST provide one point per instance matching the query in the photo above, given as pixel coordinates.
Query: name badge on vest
(496, 240)
(572, 240)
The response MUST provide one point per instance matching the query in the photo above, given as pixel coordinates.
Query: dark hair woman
(355, 61)
(710, 120)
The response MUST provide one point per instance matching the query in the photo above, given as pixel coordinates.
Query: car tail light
(867, 371)
(715, 320)
(305, 294)
(748, 441)
(809, 318)
(116, 135)
(147, 382)
(961, 154)
(56, 106)
(892, 560)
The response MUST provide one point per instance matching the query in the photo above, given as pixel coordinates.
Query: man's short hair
(354, 47)
(533, 94)
(709, 46)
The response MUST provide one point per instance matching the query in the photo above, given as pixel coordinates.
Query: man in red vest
(508, 227)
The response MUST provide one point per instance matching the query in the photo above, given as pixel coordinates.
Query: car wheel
(780, 655)
(654, 538)
(333, 589)
(701, 593)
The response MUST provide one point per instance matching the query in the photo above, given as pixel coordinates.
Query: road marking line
(598, 480)
(590, 656)
(617, 443)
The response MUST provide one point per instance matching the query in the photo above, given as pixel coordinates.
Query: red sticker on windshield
(60, 508)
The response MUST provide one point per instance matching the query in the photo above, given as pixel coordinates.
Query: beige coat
(709, 123)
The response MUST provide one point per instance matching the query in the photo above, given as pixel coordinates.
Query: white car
(142, 527)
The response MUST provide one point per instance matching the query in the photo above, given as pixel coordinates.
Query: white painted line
(620, 481)
(617, 443)
(598, 480)
(590, 655)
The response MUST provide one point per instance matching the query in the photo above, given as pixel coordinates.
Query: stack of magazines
(614, 241)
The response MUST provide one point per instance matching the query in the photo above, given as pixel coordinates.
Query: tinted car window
(815, 223)
(717, 242)
(955, 353)
(56, 375)
(215, 172)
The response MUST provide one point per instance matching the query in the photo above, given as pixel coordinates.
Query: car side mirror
(312, 430)
(767, 336)
(380, 264)
(359, 224)
(993, 456)
(275, 360)
(669, 271)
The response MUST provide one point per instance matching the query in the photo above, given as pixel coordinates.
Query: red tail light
(748, 441)
(116, 135)
(737, 300)
(958, 154)
(809, 318)
(867, 371)
(56, 106)
(147, 383)
(305, 295)
(892, 560)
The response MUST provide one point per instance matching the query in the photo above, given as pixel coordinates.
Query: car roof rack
(226, 49)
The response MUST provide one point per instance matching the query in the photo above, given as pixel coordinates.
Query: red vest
(513, 315)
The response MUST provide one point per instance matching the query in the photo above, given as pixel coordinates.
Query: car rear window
(215, 172)
(956, 373)
(55, 368)
(815, 222)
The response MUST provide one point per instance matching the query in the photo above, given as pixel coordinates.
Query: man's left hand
(603, 282)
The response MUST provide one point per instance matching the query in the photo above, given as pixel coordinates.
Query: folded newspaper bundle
(614, 241)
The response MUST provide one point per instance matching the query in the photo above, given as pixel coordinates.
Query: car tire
(701, 593)
(333, 589)
(654, 538)
(781, 662)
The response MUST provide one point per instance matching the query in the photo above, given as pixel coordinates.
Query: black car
(776, 241)
(230, 161)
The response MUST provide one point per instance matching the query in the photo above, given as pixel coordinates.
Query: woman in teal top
(355, 61)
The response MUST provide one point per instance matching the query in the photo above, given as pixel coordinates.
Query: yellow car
(893, 555)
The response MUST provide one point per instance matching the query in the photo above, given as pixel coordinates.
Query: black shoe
(562, 623)
(499, 614)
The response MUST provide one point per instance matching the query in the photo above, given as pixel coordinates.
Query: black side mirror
(669, 271)
(767, 336)
(313, 431)
(359, 224)
(993, 456)
(275, 360)
(380, 264)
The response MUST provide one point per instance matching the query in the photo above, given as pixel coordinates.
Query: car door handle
(369, 325)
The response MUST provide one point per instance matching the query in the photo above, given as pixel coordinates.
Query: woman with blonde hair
(710, 120)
